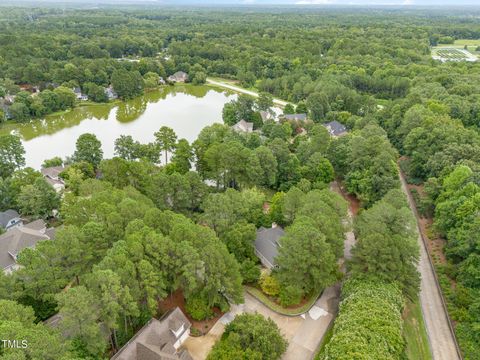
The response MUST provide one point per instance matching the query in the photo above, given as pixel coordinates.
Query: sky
(433, 3)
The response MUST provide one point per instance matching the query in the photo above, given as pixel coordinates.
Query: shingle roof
(6, 216)
(155, 340)
(243, 126)
(267, 242)
(335, 128)
(19, 238)
(296, 117)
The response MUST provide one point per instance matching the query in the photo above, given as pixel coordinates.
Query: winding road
(440, 335)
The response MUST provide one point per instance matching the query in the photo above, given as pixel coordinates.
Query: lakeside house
(111, 94)
(78, 93)
(9, 219)
(19, 238)
(52, 176)
(335, 128)
(159, 339)
(243, 126)
(179, 76)
(267, 243)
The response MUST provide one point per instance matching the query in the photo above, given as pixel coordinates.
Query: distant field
(457, 51)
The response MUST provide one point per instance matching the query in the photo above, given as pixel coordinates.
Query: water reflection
(187, 109)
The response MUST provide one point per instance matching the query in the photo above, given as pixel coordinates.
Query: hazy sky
(283, 2)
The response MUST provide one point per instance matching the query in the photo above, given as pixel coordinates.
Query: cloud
(408, 2)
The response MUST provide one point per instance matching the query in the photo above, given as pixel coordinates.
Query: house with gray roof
(19, 238)
(9, 219)
(52, 176)
(267, 243)
(159, 339)
(294, 117)
(243, 126)
(335, 128)
(179, 76)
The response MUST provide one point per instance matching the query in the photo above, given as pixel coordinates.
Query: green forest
(136, 228)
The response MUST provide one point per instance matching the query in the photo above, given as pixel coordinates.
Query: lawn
(415, 333)
(290, 311)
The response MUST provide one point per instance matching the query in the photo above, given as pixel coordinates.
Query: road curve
(440, 335)
(278, 102)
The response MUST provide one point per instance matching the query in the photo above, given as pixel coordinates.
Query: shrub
(198, 308)
(250, 272)
(269, 285)
(290, 295)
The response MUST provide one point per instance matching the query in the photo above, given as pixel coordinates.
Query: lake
(187, 109)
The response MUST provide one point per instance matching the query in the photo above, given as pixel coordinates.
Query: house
(159, 339)
(79, 94)
(111, 94)
(267, 115)
(161, 81)
(243, 126)
(294, 117)
(10, 219)
(335, 128)
(52, 176)
(267, 243)
(179, 76)
(18, 238)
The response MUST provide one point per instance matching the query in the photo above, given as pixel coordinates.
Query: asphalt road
(278, 102)
(442, 341)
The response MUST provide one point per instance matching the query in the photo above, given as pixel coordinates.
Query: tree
(386, 246)
(95, 92)
(250, 336)
(127, 84)
(79, 312)
(20, 112)
(166, 139)
(183, 156)
(89, 149)
(65, 98)
(38, 200)
(289, 109)
(56, 161)
(264, 102)
(268, 165)
(305, 259)
(11, 154)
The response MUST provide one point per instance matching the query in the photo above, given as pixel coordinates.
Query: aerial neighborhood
(225, 182)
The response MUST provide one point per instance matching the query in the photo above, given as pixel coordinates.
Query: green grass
(417, 347)
(265, 300)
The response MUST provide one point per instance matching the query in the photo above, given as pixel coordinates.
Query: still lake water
(186, 109)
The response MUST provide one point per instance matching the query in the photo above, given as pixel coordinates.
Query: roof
(179, 76)
(335, 128)
(267, 242)
(52, 172)
(243, 126)
(19, 238)
(7, 216)
(296, 117)
(155, 341)
(266, 115)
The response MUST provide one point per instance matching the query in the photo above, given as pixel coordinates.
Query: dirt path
(278, 102)
(440, 335)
